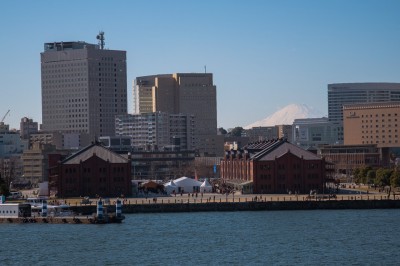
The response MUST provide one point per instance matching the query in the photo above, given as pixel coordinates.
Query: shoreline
(182, 206)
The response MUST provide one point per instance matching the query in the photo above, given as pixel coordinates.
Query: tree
(236, 132)
(356, 174)
(371, 175)
(360, 174)
(395, 180)
(222, 131)
(383, 178)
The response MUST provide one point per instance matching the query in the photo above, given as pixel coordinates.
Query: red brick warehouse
(92, 171)
(274, 166)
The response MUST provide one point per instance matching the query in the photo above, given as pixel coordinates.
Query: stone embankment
(248, 206)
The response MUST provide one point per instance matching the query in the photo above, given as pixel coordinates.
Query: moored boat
(26, 213)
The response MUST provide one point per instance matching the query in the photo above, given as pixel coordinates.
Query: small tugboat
(22, 213)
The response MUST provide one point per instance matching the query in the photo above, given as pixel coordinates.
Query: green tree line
(381, 177)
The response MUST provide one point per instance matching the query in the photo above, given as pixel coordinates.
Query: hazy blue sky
(264, 54)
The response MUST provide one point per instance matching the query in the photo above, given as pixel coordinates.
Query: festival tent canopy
(206, 186)
(170, 187)
(187, 185)
(152, 186)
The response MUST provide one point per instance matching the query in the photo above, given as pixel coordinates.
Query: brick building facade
(275, 166)
(93, 171)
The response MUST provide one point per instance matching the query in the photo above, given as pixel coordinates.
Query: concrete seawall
(247, 206)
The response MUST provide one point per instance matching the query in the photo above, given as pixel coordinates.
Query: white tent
(187, 185)
(206, 187)
(170, 187)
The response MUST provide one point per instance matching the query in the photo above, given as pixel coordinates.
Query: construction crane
(4, 117)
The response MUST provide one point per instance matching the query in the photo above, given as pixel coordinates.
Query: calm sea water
(340, 237)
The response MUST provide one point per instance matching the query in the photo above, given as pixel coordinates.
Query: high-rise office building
(340, 94)
(184, 93)
(349, 93)
(27, 127)
(83, 87)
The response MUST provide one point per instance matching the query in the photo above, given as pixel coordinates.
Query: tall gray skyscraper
(83, 88)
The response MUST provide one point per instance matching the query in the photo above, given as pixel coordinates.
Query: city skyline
(264, 55)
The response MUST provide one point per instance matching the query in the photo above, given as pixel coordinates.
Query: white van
(15, 195)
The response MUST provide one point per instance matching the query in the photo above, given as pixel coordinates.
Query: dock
(64, 220)
(23, 213)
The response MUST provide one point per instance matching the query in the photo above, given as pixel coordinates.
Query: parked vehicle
(15, 195)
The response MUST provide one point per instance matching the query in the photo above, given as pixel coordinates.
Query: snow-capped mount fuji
(287, 115)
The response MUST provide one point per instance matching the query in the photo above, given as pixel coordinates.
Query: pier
(23, 213)
(110, 210)
(62, 220)
(248, 203)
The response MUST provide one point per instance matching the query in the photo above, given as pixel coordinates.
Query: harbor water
(319, 237)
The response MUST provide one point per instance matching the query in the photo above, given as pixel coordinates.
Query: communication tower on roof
(101, 39)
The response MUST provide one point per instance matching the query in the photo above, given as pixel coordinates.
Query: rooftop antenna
(205, 69)
(101, 39)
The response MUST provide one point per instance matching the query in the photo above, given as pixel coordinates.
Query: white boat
(36, 202)
(52, 210)
(59, 210)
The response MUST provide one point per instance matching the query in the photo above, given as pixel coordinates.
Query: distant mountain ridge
(287, 115)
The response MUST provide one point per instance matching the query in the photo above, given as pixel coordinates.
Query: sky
(264, 54)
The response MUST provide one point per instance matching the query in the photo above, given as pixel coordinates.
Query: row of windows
(280, 186)
(282, 166)
(77, 100)
(377, 137)
(58, 65)
(56, 103)
(6, 211)
(107, 64)
(196, 85)
(77, 111)
(108, 69)
(77, 73)
(312, 176)
(73, 180)
(78, 115)
(70, 180)
(87, 170)
(377, 142)
(107, 75)
(106, 79)
(265, 176)
(371, 126)
(377, 131)
(107, 59)
(57, 80)
(77, 121)
(283, 177)
(377, 115)
(377, 121)
(266, 186)
(60, 92)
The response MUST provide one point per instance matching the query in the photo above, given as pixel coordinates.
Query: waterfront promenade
(194, 198)
(192, 202)
(218, 202)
